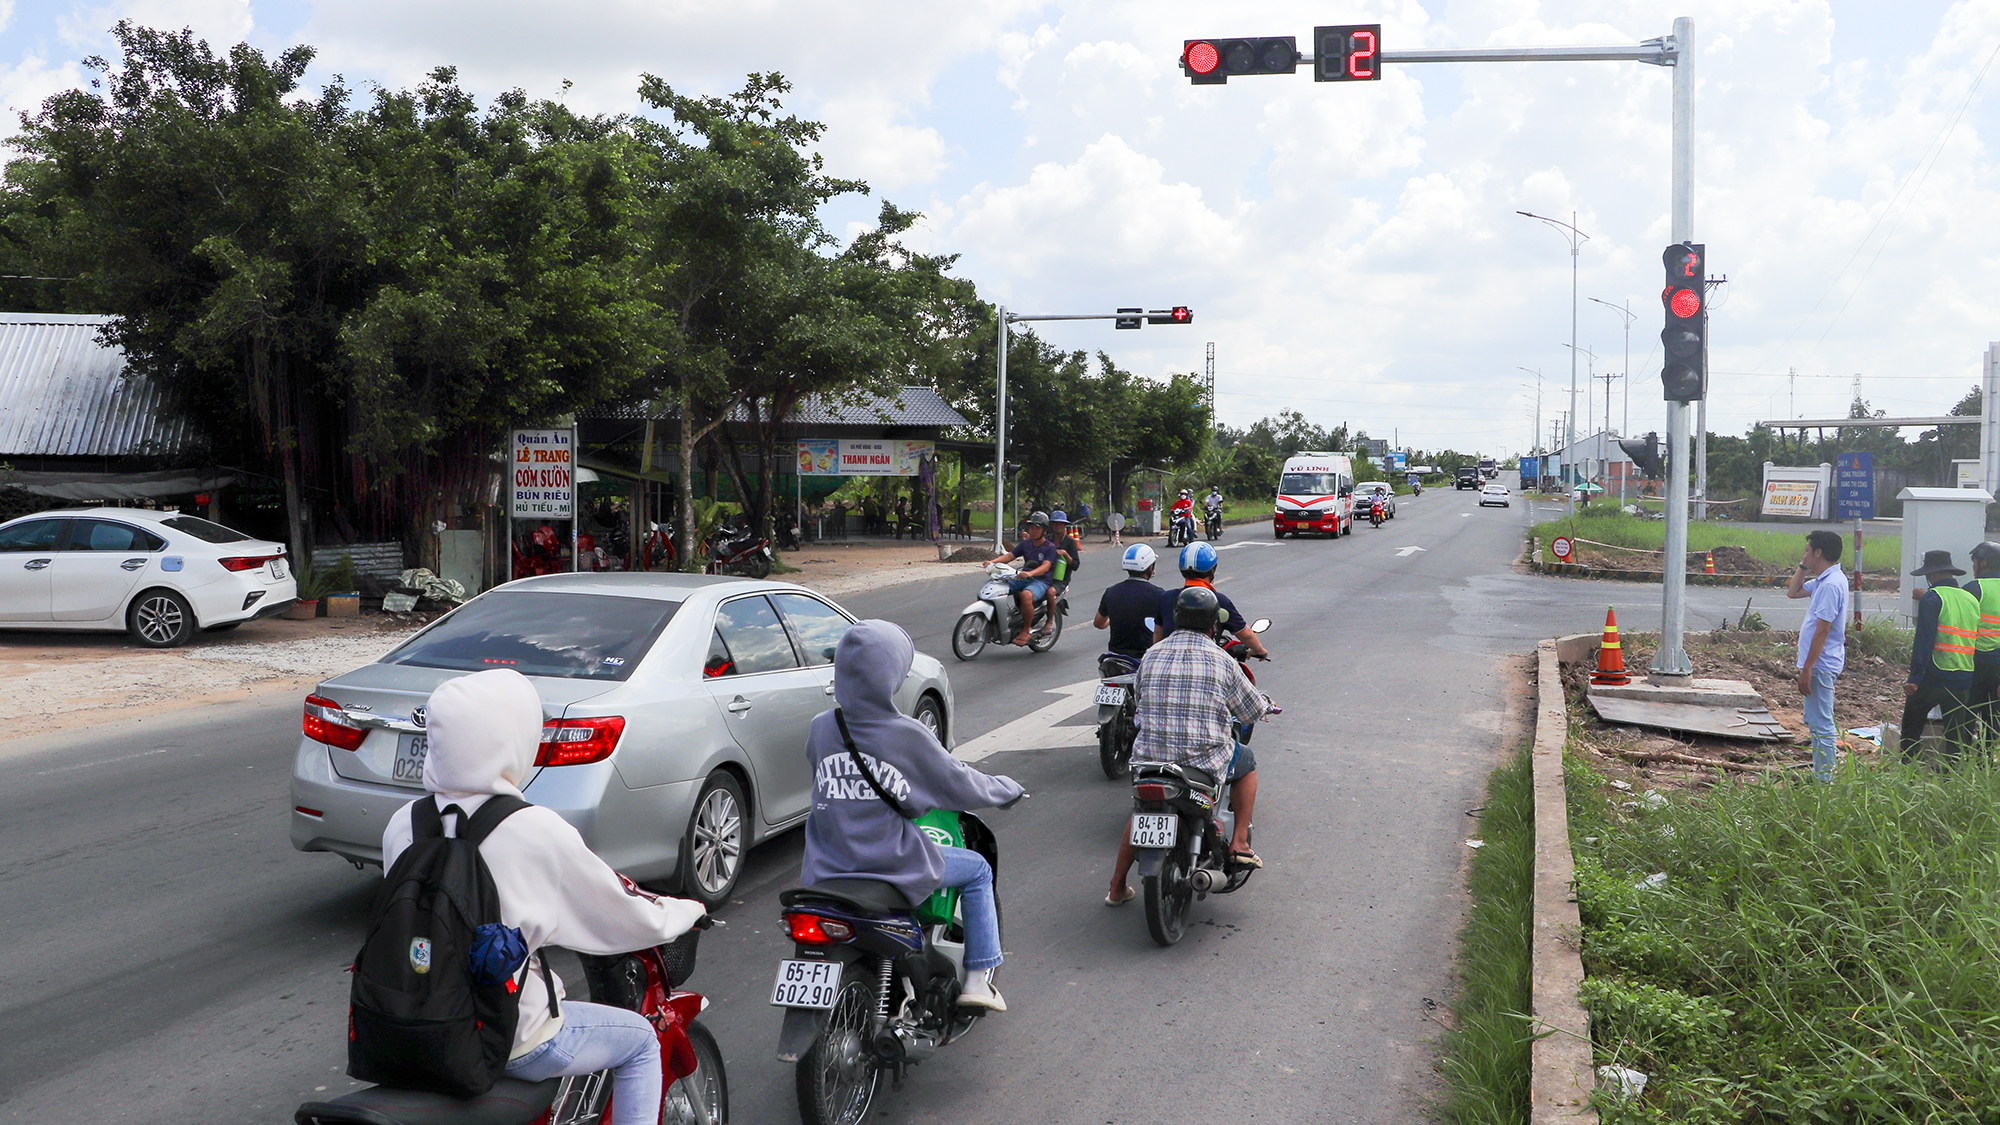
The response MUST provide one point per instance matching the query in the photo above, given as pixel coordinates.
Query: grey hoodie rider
(851, 831)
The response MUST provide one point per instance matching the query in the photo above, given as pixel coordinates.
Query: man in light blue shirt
(1822, 641)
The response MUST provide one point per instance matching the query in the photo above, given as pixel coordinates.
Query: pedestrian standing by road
(1941, 656)
(1822, 642)
(1985, 586)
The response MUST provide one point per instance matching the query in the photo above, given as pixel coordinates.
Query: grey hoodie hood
(851, 831)
(484, 730)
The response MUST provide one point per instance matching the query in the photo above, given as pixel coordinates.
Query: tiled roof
(911, 406)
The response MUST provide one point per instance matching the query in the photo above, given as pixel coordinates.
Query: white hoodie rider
(484, 730)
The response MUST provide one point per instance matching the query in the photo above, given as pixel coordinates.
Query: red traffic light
(1182, 314)
(1201, 57)
(1179, 314)
(1683, 303)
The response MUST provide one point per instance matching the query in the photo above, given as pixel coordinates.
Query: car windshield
(205, 530)
(1309, 484)
(568, 635)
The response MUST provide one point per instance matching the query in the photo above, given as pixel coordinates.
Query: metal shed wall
(62, 394)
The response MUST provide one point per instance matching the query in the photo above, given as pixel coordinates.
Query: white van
(1315, 494)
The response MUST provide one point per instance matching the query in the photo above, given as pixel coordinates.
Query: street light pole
(1576, 240)
(1625, 311)
(1670, 661)
(1537, 432)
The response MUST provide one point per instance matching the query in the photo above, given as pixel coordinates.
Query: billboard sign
(544, 482)
(848, 457)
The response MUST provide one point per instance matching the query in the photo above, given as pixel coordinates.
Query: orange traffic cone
(1610, 655)
(1708, 562)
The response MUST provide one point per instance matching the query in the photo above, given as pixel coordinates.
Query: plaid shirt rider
(1190, 693)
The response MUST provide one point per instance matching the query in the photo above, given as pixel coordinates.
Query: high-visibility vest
(1989, 615)
(1957, 630)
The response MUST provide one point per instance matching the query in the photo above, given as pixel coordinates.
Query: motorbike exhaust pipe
(1207, 880)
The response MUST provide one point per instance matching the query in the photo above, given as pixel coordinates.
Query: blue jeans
(598, 1037)
(1819, 721)
(968, 871)
(1035, 586)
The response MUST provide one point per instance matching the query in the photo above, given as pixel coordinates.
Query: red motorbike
(735, 549)
(695, 1091)
(543, 554)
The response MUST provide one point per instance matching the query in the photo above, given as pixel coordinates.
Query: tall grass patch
(1485, 1059)
(1784, 951)
(1777, 546)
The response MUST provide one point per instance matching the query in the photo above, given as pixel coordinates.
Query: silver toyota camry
(675, 710)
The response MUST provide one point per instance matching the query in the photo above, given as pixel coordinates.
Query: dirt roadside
(51, 682)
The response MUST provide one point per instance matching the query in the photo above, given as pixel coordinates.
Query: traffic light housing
(1645, 453)
(1685, 338)
(1348, 52)
(1179, 314)
(1132, 321)
(1212, 62)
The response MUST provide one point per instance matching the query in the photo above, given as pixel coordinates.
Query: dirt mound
(1731, 560)
(969, 554)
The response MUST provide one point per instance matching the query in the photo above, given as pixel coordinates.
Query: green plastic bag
(942, 826)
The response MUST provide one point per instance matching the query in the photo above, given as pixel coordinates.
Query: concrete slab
(1721, 720)
(1701, 692)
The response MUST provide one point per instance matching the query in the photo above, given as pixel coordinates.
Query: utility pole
(1625, 429)
(1608, 377)
(1208, 387)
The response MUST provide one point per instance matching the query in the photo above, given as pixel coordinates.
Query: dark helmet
(1197, 608)
(1986, 556)
(1036, 518)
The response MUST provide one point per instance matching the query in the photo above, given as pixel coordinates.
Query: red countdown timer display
(1348, 52)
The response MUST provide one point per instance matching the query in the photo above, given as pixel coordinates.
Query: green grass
(1485, 1054)
(1809, 953)
(1604, 524)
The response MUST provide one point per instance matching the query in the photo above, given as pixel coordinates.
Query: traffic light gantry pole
(1353, 52)
(1126, 318)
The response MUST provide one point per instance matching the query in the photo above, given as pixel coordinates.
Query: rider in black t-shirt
(1124, 608)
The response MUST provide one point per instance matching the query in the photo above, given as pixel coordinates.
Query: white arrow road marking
(1407, 551)
(1037, 730)
(1247, 543)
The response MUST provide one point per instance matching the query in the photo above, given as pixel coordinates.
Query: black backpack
(422, 1015)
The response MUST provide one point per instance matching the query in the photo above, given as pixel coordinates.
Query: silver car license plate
(806, 984)
(1155, 830)
(1111, 695)
(410, 751)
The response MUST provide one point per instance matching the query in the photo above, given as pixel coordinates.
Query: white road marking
(1037, 730)
(1247, 543)
(1407, 552)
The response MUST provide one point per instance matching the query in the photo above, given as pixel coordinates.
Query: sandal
(1120, 900)
(1246, 859)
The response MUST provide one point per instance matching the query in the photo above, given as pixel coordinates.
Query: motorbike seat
(1194, 775)
(869, 896)
(509, 1102)
(1116, 664)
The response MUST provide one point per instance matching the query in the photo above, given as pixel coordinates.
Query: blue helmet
(1198, 558)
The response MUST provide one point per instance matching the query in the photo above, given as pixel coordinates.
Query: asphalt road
(166, 956)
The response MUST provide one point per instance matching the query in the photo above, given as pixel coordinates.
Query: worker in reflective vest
(1985, 586)
(1941, 658)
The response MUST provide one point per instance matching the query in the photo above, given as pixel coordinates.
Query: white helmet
(1187, 492)
(1139, 558)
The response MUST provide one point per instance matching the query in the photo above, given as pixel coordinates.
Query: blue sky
(1352, 250)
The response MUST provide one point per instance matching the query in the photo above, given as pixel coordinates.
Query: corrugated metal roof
(62, 394)
(911, 406)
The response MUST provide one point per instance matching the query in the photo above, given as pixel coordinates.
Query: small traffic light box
(1348, 52)
(1685, 338)
(1132, 321)
(1211, 62)
(1645, 453)
(1179, 314)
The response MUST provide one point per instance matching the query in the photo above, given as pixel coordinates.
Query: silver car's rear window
(573, 636)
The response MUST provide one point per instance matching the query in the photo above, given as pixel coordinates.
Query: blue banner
(1854, 486)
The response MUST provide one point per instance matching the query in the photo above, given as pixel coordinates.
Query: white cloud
(224, 23)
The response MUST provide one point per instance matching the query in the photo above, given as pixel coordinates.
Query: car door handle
(738, 705)
(133, 564)
(827, 690)
(37, 564)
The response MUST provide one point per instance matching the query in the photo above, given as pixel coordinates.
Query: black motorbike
(1117, 712)
(872, 986)
(735, 549)
(1180, 529)
(1212, 522)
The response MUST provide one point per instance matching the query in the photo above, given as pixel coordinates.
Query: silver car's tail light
(326, 722)
(572, 742)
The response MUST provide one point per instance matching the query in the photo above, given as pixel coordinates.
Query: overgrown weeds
(1784, 951)
(1779, 546)
(1485, 1059)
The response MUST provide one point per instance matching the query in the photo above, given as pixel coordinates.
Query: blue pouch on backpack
(496, 955)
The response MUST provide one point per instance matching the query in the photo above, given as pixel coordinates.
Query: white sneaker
(980, 993)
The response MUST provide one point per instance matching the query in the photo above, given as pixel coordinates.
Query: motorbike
(1117, 712)
(738, 550)
(1181, 829)
(996, 617)
(1180, 527)
(1376, 511)
(872, 986)
(696, 1090)
(1212, 522)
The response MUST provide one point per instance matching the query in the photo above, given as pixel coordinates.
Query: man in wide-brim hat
(1941, 657)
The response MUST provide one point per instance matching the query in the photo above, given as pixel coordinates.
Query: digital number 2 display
(1350, 52)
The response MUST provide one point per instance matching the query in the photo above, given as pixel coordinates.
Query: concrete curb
(1560, 1074)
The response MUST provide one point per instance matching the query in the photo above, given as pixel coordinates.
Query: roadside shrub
(1883, 639)
(1653, 1029)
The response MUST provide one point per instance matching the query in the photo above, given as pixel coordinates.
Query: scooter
(1117, 712)
(995, 619)
(1212, 522)
(872, 985)
(1376, 511)
(696, 1090)
(738, 550)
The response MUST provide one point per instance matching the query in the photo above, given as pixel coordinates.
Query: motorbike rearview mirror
(1151, 624)
(1261, 624)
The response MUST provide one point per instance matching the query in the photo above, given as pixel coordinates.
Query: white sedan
(157, 575)
(1495, 494)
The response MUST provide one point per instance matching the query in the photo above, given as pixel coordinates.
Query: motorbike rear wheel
(1045, 641)
(1114, 746)
(1169, 894)
(709, 1083)
(968, 637)
(836, 1080)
